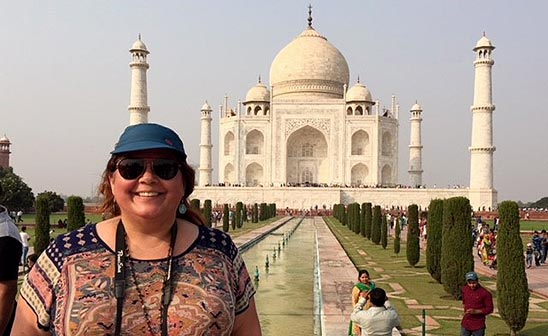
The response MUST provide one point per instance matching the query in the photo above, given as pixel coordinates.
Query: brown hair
(110, 209)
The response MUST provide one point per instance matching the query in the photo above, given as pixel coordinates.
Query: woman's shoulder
(78, 240)
(218, 240)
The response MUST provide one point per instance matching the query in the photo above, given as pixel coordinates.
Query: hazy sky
(65, 78)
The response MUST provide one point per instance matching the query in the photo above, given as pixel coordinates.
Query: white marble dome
(484, 42)
(416, 107)
(205, 107)
(258, 93)
(309, 65)
(358, 93)
(138, 45)
(4, 139)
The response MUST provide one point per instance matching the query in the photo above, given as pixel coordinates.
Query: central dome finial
(310, 16)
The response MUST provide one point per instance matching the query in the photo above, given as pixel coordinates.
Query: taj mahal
(312, 139)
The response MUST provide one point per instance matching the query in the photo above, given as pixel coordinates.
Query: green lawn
(386, 268)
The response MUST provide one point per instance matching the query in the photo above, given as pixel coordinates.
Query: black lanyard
(120, 277)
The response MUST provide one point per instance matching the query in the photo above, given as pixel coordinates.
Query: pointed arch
(360, 143)
(254, 142)
(358, 174)
(229, 174)
(254, 175)
(230, 145)
(387, 144)
(386, 175)
(358, 111)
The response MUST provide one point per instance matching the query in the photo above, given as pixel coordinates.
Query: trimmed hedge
(434, 234)
(456, 245)
(41, 240)
(413, 243)
(368, 217)
(512, 289)
(397, 239)
(376, 225)
(76, 217)
(207, 212)
(384, 232)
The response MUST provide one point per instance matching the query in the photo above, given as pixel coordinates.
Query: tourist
(529, 254)
(31, 260)
(10, 250)
(375, 315)
(25, 238)
(169, 274)
(478, 303)
(364, 285)
(544, 244)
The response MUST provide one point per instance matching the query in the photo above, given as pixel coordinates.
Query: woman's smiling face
(148, 196)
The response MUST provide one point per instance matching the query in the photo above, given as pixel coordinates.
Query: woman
(151, 269)
(364, 285)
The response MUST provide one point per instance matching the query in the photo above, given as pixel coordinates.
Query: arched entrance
(307, 157)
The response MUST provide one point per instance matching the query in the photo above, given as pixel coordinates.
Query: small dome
(138, 45)
(4, 139)
(258, 93)
(416, 107)
(484, 42)
(206, 107)
(358, 93)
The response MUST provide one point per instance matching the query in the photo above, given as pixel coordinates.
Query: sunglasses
(131, 169)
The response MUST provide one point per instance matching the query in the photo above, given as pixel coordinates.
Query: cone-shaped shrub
(362, 220)
(238, 214)
(368, 220)
(413, 243)
(255, 213)
(195, 204)
(434, 230)
(41, 232)
(512, 290)
(397, 238)
(384, 232)
(226, 213)
(76, 217)
(356, 215)
(376, 225)
(207, 212)
(456, 245)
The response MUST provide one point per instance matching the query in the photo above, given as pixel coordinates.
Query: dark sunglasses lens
(165, 169)
(130, 169)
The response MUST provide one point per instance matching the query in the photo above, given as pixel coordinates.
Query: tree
(397, 239)
(226, 212)
(195, 204)
(238, 215)
(41, 240)
(56, 202)
(512, 289)
(255, 214)
(413, 243)
(384, 232)
(376, 225)
(362, 219)
(434, 234)
(16, 193)
(76, 217)
(207, 212)
(456, 245)
(368, 220)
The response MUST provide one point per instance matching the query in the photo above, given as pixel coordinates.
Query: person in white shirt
(25, 240)
(378, 317)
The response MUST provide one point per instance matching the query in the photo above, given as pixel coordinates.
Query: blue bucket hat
(148, 136)
(472, 276)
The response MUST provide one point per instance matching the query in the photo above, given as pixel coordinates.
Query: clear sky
(65, 78)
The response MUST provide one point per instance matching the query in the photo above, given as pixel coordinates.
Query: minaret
(415, 147)
(205, 147)
(481, 150)
(138, 101)
(5, 152)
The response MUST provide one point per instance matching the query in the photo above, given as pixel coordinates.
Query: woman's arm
(247, 323)
(26, 321)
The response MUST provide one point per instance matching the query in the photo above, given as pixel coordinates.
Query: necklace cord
(121, 257)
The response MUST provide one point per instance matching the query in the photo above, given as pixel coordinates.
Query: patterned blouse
(71, 287)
